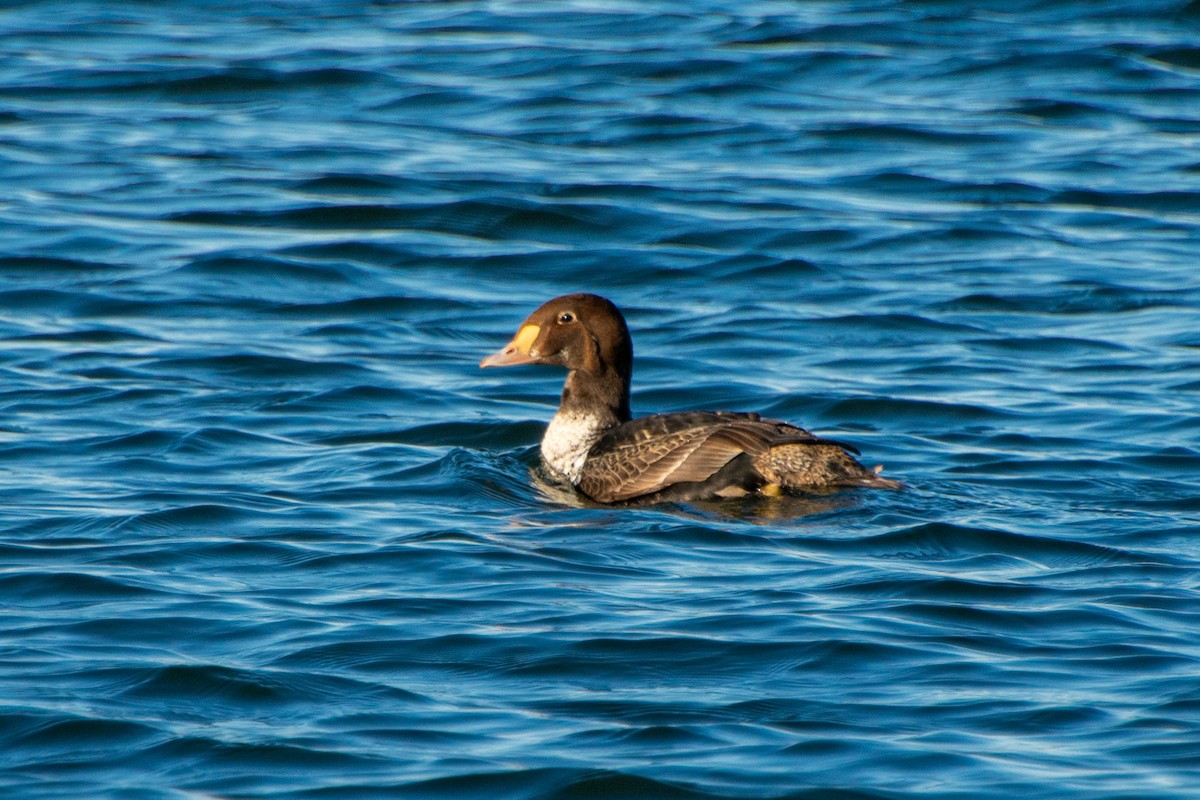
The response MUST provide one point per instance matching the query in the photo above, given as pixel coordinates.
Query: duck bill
(515, 352)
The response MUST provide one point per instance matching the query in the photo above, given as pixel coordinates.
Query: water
(269, 532)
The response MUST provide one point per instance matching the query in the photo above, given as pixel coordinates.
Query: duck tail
(876, 481)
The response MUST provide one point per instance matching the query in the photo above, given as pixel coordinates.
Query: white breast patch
(568, 439)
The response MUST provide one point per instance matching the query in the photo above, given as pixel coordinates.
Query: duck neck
(603, 396)
(591, 406)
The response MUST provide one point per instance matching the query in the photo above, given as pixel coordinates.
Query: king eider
(594, 444)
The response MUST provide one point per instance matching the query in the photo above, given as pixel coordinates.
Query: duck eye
(566, 317)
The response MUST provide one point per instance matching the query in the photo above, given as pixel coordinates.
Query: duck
(594, 444)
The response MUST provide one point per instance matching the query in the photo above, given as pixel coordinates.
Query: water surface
(269, 532)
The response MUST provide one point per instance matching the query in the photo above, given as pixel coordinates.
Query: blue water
(268, 532)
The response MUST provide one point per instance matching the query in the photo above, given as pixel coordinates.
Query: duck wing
(652, 454)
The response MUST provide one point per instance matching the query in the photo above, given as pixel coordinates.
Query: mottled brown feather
(650, 454)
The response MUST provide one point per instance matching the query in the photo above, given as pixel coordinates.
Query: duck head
(587, 335)
(582, 332)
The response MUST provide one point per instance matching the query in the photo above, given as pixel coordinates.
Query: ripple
(72, 739)
(42, 268)
(255, 369)
(560, 784)
(483, 219)
(939, 541)
(204, 690)
(1073, 298)
(33, 589)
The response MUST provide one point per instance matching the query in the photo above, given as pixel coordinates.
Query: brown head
(584, 333)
